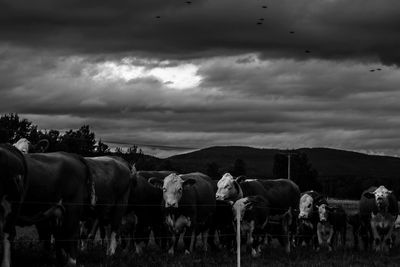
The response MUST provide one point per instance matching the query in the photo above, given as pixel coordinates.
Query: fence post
(238, 235)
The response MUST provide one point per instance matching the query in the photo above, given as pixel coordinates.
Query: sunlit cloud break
(182, 76)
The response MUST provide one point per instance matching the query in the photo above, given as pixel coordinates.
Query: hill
(259, 161)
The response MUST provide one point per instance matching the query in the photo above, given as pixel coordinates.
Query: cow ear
(369, 195)
(42, 145)
(240, 179)
(329, 208)
(189, 182)
(157, 182)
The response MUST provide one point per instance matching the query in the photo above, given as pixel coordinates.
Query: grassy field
(28, 252)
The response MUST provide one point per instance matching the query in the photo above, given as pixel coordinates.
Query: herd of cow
(69, 198)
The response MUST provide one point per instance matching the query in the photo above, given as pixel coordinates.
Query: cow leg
(205, 235)
(174, 243)
(376, 239)
(116, 221)
(319, 236)
(356, 231)
(70, 235)
(388, 239)
(6, 262)
(286, 232)
(330, 239)
(190, 240)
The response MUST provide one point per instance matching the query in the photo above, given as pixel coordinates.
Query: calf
(332, 222)
(378, 211)
(308, 217)
(254, 211)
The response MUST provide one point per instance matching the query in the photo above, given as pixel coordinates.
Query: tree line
(83, 141)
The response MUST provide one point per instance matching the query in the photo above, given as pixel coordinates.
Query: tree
(301, 171)
(12, 128)
(81, 141)
(213, 170)
(239, 168)
(102, 148)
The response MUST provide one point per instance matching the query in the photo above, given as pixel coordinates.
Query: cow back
(157, 174)
(253, 188)
(198, 200)
(281, 194)
(53, 177)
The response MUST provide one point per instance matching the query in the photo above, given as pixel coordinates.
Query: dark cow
(112, 180)
(154, 174)
(189, 206)
(332, 223)
(223, 224)
(145, 203)
(25, 146)
(378, 213)
(308, 217)
(253, 212)
(37, 187)
(354, 220)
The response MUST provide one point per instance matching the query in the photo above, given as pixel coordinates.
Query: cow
(354, 220)
(145, 204)
(223, 224)
(39, 187)
(308, 217)
(282, 194)
(230, 189)
(112, 180)
(189, 206)
(25, 146)
(154, 174)
(253, 212)
(378, 210)
(332, 222)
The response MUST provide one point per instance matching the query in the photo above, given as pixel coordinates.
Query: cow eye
(180, 190)
(309, 206)
(164, 189)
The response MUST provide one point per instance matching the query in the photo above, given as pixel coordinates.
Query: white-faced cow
(378, 212)
(38, 187)
(255, 216)
(332, 223)
(281, 194)
(308, 217)
(112, 180)
(25, 146)
(189, 206)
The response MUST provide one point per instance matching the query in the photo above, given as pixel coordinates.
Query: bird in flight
(188, 2)
(307, 51)
(157, 17)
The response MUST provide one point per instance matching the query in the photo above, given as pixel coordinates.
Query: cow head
(306, 206)
(228, 188)
(173, 189)
(25, 146)
(381, 195)
(241, 206)
(323, 211)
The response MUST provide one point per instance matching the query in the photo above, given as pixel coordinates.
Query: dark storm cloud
(365, 30)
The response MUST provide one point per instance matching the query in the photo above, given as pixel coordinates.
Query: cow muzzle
(171, 204)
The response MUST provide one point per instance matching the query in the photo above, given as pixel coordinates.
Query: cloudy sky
(174, 75)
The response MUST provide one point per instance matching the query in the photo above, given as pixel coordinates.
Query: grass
(30, 253)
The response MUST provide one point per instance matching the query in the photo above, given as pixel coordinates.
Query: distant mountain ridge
(259, 161)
